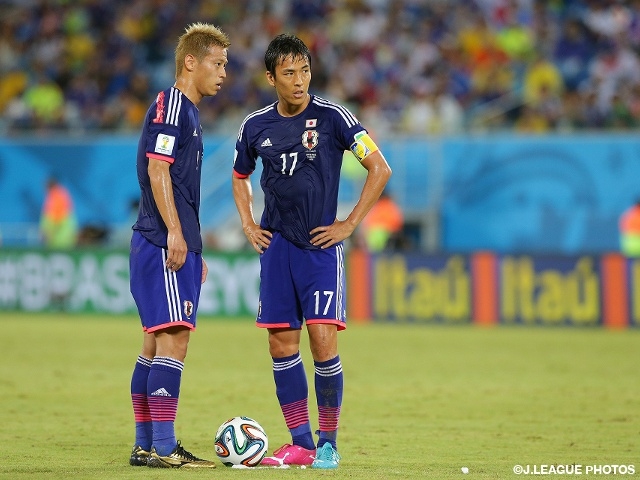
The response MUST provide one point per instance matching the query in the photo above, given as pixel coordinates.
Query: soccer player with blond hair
(166, 264)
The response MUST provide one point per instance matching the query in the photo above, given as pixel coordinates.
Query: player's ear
(190, 62)
(271, 79)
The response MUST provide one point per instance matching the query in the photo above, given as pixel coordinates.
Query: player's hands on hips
(176, 251)
(258, 238)
(324, 237)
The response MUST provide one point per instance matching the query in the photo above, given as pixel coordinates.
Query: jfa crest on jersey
(310, 139)
(301, 158)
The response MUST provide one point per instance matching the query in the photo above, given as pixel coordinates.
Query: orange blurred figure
(383, 220)
(58, 223)
(629, 225)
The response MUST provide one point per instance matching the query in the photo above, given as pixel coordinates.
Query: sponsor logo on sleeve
(164, 144)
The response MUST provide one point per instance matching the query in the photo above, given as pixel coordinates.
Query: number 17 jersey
(301, 160)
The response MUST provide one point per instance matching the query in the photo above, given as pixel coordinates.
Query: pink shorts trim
(341, 325)
(155, 328)
(273, 325)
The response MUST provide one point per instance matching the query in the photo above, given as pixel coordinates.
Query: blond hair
(196, 40)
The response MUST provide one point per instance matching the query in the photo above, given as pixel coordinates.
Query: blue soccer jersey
(171, 133)
(302, 158)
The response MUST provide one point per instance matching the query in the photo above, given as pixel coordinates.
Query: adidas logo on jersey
(161, 392)
(266, 143)
(195, 132)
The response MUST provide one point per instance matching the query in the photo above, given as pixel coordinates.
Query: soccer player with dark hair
(166, 264)
(301, 139)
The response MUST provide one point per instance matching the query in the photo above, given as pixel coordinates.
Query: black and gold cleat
(139, 456)
(179, 458)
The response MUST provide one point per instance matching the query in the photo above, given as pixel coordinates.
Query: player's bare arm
(162, 188)
(258, 238)
(377, 177)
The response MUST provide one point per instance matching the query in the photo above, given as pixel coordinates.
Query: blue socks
(329, 382)
(163, 391)
(292, 392)
(144, 430)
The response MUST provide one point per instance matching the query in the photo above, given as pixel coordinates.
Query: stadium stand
(403, 66)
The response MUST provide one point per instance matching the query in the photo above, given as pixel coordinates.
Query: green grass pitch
(420, 401)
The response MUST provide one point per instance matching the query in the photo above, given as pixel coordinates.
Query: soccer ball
(241, 441)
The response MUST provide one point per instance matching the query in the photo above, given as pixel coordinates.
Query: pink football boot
(289, 455)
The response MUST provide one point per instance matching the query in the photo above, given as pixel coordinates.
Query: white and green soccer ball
(241, 441)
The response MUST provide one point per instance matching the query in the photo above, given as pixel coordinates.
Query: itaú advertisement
(550, 291)
(480, 288)
(485, 288)
(422, 289)
(98, 281)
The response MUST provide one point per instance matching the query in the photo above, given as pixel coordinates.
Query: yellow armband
(363, 146)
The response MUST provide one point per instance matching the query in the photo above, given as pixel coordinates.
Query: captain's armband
(363, 146)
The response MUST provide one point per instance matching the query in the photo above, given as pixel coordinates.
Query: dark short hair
(283, 46)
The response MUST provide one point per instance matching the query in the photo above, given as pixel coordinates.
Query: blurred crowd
(403, 66)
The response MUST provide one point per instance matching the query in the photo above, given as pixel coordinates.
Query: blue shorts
(299, 285)
(164, 298)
